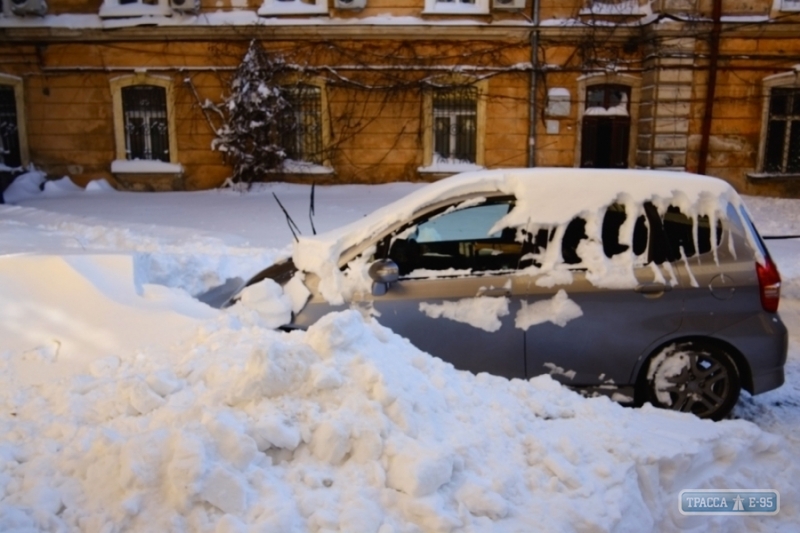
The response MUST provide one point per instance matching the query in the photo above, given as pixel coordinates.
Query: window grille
(782, 150)
(303, 139)
(455, 118)
(146, 131)
(9, 136)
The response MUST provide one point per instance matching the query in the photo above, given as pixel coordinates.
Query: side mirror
(383, 272)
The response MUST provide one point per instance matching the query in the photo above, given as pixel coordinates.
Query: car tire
(694, 377)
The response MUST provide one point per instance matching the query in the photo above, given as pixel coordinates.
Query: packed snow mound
(347, 427)
(62, 312)
(167, 256)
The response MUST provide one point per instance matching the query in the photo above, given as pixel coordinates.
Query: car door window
(459, 239)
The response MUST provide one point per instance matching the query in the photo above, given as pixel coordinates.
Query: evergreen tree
(254, 111)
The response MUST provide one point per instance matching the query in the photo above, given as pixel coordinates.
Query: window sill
(302, 167)
(144, 166)
(147, 176)
(772, 177)
(449, 168)
(457, 10)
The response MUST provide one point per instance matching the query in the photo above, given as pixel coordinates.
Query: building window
(782, 145)
(293, 7)
(790, 5)
(144, 108)
(608, 116)
(9, 133)
(134, 8)
(13, 134)
(605, 128)
(455, 125)
(303, 141)
(144, 124)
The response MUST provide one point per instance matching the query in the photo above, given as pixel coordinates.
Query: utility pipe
(534, 82)
(711, 87)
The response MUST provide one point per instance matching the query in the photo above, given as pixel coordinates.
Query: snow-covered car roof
(544, 196)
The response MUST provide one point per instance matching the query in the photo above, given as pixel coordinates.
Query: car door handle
(495, 292)
(653, 288)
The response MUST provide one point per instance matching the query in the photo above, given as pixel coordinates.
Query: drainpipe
(534, 81)
(713, 59)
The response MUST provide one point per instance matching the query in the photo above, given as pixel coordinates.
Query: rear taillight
(769, 282)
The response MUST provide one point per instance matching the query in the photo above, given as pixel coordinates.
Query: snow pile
(62, 312)
(347, 427)
(128, 406)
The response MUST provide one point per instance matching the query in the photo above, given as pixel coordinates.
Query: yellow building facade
(132, 91)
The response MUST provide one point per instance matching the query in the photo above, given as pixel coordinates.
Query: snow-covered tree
(251, 135)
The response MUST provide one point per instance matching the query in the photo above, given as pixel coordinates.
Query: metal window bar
(782, 150)
(9, 135)
(303, 141)
(455, 120)
(146, 133)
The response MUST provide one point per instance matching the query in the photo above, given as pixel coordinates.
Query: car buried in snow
(646, 286)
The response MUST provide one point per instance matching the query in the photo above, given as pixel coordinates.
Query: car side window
(458, 239)
(613, 220)
(680, 233)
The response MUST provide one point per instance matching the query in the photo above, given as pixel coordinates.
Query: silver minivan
(645, 286)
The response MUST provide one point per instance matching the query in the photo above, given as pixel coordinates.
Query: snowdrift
(127, 406)
(347, 427)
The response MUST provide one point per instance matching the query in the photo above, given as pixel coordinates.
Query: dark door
(605, 134)
(9, 136)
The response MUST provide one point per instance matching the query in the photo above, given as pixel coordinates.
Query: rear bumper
(768, 381)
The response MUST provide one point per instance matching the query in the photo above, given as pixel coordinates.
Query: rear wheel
(693, 377)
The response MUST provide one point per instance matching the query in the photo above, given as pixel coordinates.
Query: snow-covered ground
(126, 405)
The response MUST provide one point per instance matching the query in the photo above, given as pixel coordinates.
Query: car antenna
(311, 208)
(289, 221)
